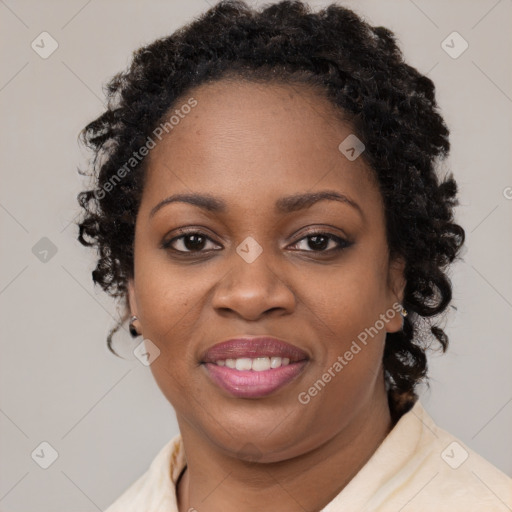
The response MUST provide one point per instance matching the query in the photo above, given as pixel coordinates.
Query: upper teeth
(257, 364)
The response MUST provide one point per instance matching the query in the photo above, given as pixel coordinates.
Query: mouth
(253, 367)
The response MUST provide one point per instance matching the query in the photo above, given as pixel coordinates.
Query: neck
(215, 482)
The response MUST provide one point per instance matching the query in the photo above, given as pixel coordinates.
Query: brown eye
(322, 242)
(188, 242)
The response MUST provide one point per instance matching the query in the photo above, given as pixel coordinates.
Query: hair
(391, 108)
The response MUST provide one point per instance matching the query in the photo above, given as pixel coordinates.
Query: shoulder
(447, 475)
(154, 489)
(419, 467)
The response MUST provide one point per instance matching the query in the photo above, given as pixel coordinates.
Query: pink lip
(252, 347)
(251, 384)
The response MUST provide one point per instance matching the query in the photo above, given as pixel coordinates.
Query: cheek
(349, 363)
(169, 301)
(348, 298)
(347, 304)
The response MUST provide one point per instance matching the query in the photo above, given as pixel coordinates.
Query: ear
(132, 303)
(396, 288)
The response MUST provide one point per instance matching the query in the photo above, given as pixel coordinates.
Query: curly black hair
(360, 69)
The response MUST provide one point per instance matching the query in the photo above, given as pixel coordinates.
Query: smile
(253, 383)
(253, 366)
(258, 364)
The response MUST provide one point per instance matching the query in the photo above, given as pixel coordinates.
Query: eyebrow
(283, 205)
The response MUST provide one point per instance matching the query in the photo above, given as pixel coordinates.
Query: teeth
(243, 364)
(257, 364)
(275, 362)
(260, 364)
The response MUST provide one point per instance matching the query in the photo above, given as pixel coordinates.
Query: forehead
(253, 115)
(255, 138)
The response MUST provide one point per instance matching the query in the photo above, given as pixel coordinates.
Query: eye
(320, 241)
(191, 241)
(197, 242)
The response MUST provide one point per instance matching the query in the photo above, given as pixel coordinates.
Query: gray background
(105, 416)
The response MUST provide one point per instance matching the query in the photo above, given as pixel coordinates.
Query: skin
(250, 145)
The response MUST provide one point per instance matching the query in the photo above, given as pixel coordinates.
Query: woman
(266, 203)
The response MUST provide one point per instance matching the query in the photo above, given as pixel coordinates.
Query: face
(315, 274)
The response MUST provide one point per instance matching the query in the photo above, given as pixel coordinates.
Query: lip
(250, 383)
(252, 347)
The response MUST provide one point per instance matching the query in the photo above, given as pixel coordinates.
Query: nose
(254, 289)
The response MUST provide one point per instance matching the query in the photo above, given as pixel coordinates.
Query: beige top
(418, 467)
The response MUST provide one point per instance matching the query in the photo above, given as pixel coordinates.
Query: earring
(403, 314)
(133, 331)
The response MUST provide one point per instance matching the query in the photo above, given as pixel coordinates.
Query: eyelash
(342, 242)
